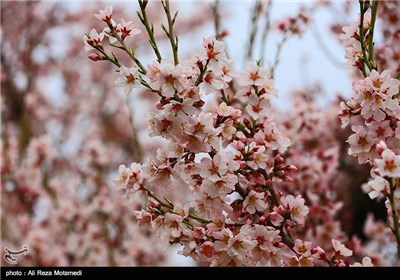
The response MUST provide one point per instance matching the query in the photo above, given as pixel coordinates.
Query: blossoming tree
(216, 167)
(63, 132)
(248, 204)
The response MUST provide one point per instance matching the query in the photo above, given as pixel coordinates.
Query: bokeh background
(65, 127)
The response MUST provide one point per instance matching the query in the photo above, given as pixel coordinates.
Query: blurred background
(65, 127)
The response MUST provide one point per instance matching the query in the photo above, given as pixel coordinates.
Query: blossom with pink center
(254, 75)
(257, 107)
(129, 178)
(105, 14)
(380, 130)
(341, 249)
(207, 249)
(213, 169)
(199, 232)
(259, 158)
(298, 211)
(303, 247)
(159, 175)
(159, 125)
(211, 83)
(354, 53)
(129, 79)
(212, 207)
(377, 187)
(179, 110)
(223, 236)
(349, 33)
(174, 226)
(153, 71)
(228, 129)
(213, 51)
(389, 165)
(275, 218)
(94, 39)
(227, 73)
(225, 110)
(241, 245)
(143, 217)
(379, 82)
(268, 90)
(125, 29)
(254, 202)
(222, 186)
(266, 238)
(271, 137)
(166, 76)
(361, 141)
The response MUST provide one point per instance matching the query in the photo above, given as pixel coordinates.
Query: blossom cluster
(60, 145)
(374, 114)
(225, 146)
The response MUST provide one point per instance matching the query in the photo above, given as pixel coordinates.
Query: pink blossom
(105, 14)
(179, 110)
(257, 107)
(129, 79)
(241, 245)
(225, 110)
(222, 186)
(341, 248)
(213, 169)
(296, 207)
(213, 51)
(254, 75)
(266, 238)
(259, 158)
(173, 226)
(228, 129)
(207, 249)
(126, 29)
(353, 54)
(389, 165)
(271, 137)
(380, 130)
(360, 141)
(94, 39)
(378, 187)
(254, 202)
(143, 217)
(211, 83)
(166, 76)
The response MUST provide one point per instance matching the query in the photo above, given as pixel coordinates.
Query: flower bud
(94, 57)
(207, 249)
(279, 159)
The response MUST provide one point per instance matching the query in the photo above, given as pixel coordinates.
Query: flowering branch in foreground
(374, 112)
(226, 148)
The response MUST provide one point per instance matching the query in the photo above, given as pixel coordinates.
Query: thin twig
(396, 227)
(217, 19)
(278, 53)
(149, 28)
(325, 49)
(254, 28)
(371, 56)
(170, 32)
(266, 30)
